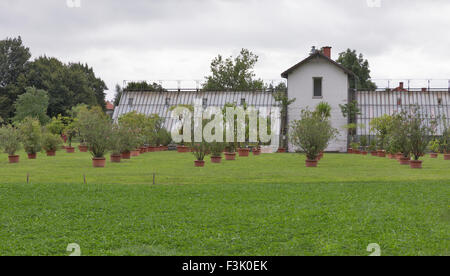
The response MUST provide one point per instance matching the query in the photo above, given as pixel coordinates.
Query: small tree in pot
(96, 128)
(445, 140)
(31, 135)
(200, 151)
(115, 143)
(312, 135)
(435, 147)
(216, 151)
(363, 141)
(51, 143)
(381, 127)
(10, 142)
(418, 137)
(70, 132)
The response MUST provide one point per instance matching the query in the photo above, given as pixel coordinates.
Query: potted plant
(435, 147)
(418, 137)
(382, 125)
(165, 138)
(256, 151)
(230, 152)
(96, 128)
(10, 142)
(115, 144)
(311, 135)
(363, 141)
(216, 150)
(284, 102)
(445, 141)
(355, 148)
(51, 143)
(200, 150)
(70, 132)
(31, 134)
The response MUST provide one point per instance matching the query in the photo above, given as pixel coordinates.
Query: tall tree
(234, 74)
(14, 58)
(118, 95)
(33, 103)
(145, 86)
(358, 65)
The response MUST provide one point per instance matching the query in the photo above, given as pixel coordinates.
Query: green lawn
(266, 205)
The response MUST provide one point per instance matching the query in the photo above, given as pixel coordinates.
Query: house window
(167, 101)
(130, 101)
(205, 102)
(243, 101)
(317, 87)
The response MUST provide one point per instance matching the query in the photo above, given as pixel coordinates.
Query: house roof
(109, 106)
(318, 54)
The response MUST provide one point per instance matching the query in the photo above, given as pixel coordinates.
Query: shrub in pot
(445, 141)
(381, 126)
(311, 135)
(355, 148)
(373, 147)
(216, 150)
(51, 143)
(30, 131)
(70, 132)
(115, 144)
(363, 141)
(435, 147)
(419, 135)
(96, 128)
(200, 151)
(10, 142)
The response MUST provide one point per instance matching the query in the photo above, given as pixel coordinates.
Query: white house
(315, 79)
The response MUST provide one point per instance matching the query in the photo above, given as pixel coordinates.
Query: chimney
(327, 51)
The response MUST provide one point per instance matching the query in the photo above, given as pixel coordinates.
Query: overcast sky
(177, 39)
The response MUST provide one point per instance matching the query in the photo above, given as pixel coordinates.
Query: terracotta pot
(216, 160)
(350, 150)
(116, 158)
(404, 160)
(165, 148)
(83, 148)
(281, 150)
(416, 164)
(356, 151)
(32, 155)
(99, 162)
(364, 152)
(14, 159)
(399, 155)
(311, 163)
(126, 155)
(256, 152)
(434, 155)
(230, 156)
(151, 149)
(143, 150)
(374, 153)
(63, 147)
(381, 153)
(244, 152)
(199, 163)
(135, 153)
(70, 149)
(183, 149)
(51, 153)
(447, 156)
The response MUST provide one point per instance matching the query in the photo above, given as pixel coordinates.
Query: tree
(14, 59)
(233, 74)
(144, 86)
(358, 65)
(31, 135)
(284, 101)
(33, 103)
(118, 95)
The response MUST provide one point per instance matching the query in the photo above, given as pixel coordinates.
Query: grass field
(266, 205)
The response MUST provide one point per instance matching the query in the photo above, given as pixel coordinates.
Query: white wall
(334, 90)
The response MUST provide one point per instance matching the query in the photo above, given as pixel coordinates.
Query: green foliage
(30, 131)
(435, 145)
(9, 139)
(354, 145)
(445, 138)
(140, 86)
(95, 127)
(359, 66)
(51, 142)
(116, 140)
(216, 149)
(118, 95)
(364, 142)
(233, 74)
(381, 126)
(56, 125)
(71, 131)
(323, 110)
(200, 150)
(312, 134)
(14, 59)
(373, 145)
(419, 134)
(33, 103)
(165, 137)
(136, 124)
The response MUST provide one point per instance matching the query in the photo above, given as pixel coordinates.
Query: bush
(216, 149)
(165, 137)
(200, 150)
(418, 134)
(96, 127)
(51, 142)
(115, 140)
(311, 134)
(435, 146)
(382, 126)
(9, 139)
(323, 110)
(373, 145)
(31, 135)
